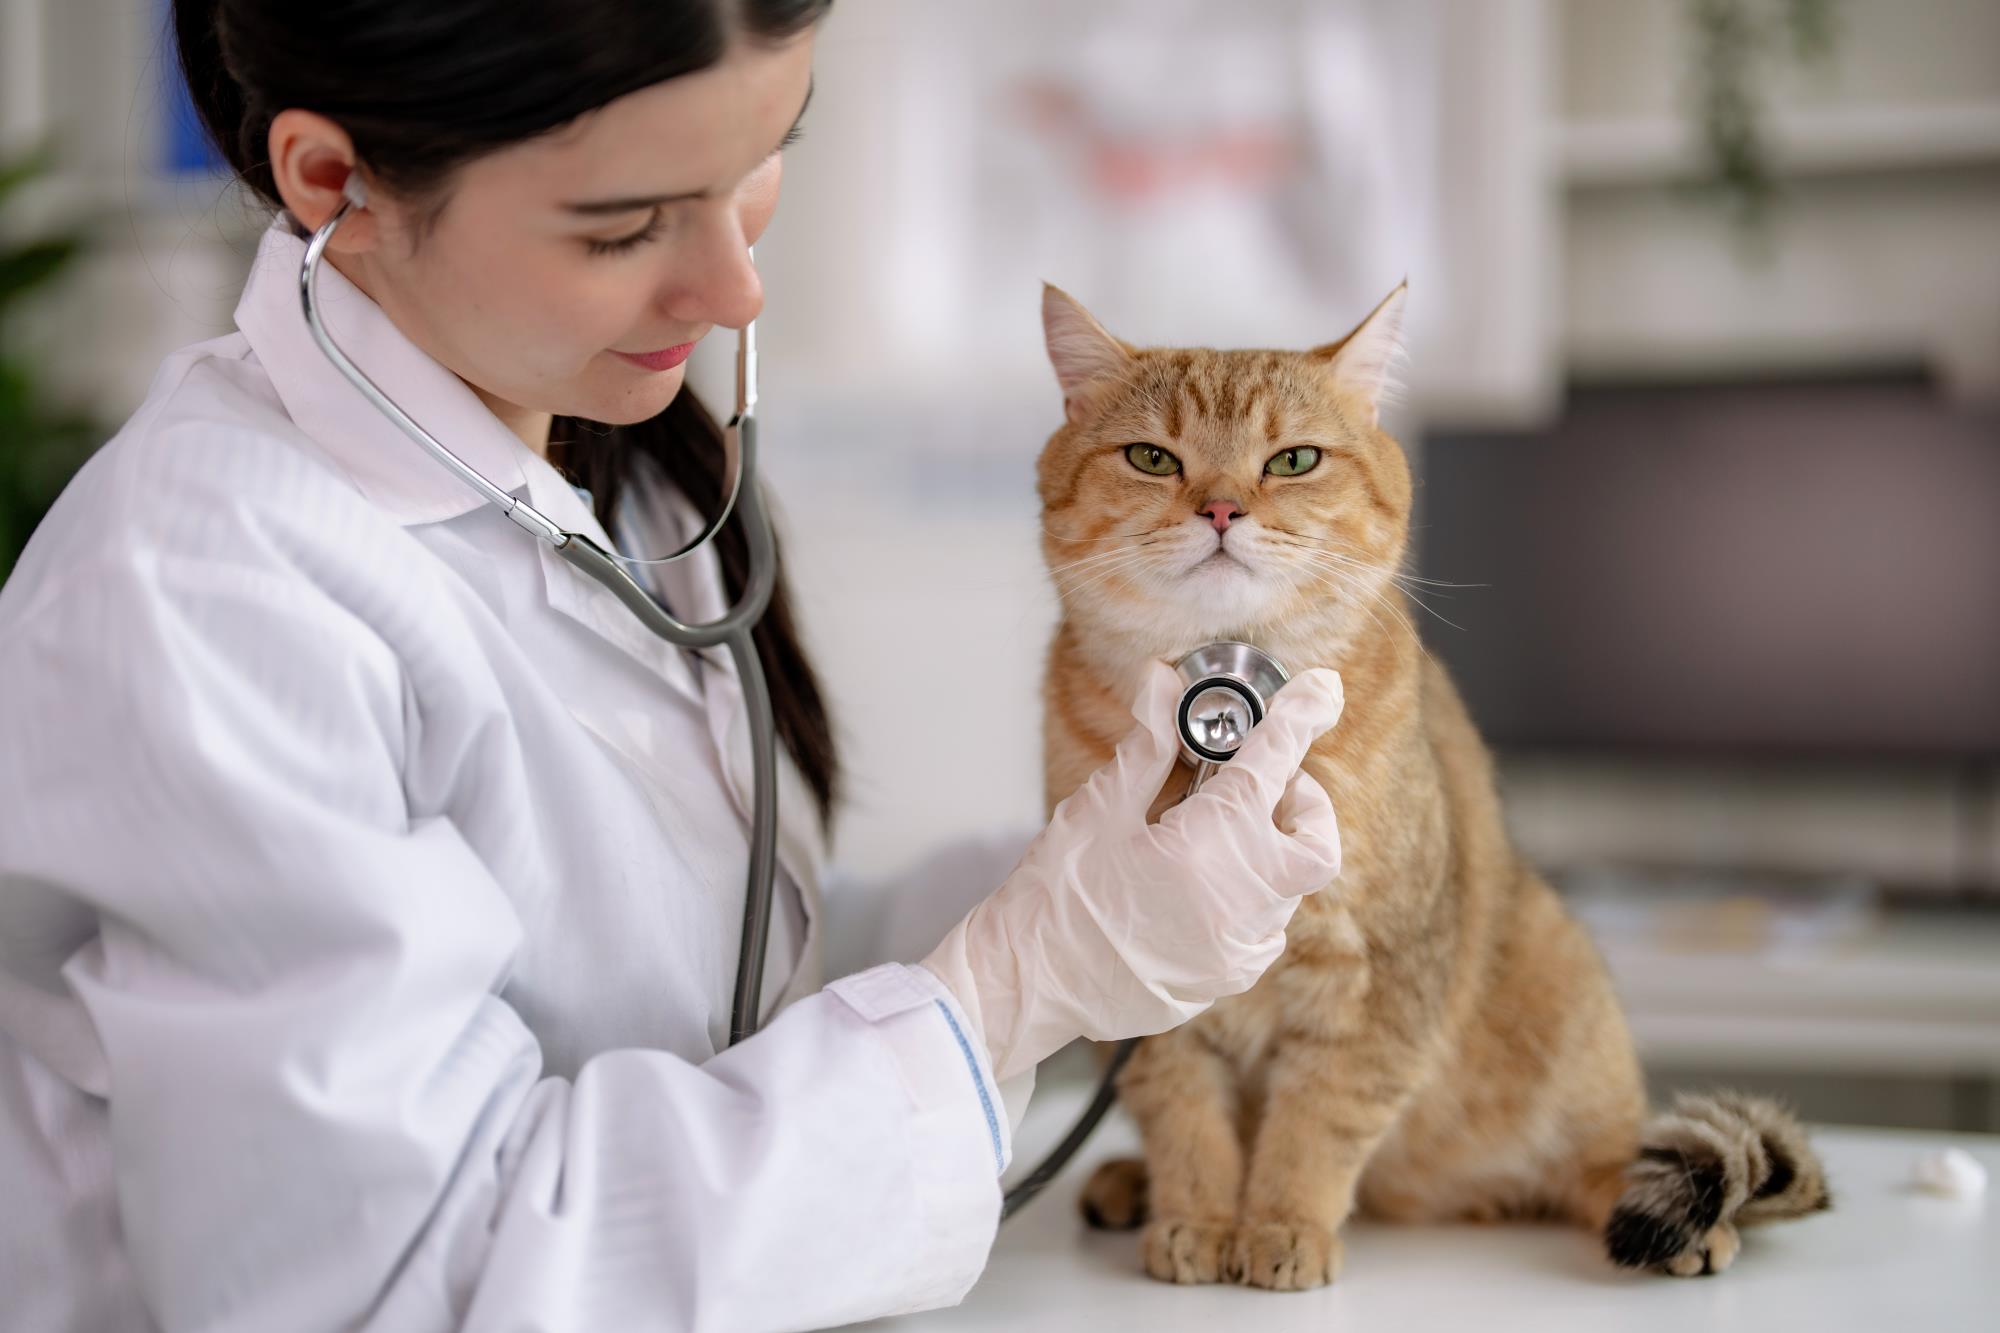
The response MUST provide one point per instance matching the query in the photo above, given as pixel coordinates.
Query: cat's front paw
(1183, 1250)
(1286, 1256)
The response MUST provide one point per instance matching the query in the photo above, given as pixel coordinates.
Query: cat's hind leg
(1114, 1198)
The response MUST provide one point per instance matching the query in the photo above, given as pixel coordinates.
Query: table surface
(1886, 1258)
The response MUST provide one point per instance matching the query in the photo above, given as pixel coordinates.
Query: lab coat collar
(390, 469)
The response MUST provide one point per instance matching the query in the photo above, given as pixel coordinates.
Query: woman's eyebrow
(594, 207)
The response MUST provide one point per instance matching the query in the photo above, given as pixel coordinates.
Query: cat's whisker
(1105, 573)
(1098, 556)
(1068, 595)
(1439, 583)
(1345, 570)
(1328, 548)
(1076, 579)
(1099, 536)
(1360, 566)
(1346, 596)
(1433, 610)
(1430, 586)
(1411, 594)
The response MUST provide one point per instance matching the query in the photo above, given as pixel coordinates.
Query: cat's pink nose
(1220, 512)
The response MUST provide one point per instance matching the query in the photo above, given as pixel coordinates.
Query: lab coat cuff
(929, 1032)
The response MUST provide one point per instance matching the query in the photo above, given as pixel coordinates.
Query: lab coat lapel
(693, 588)
(391, 470)
(574, 594)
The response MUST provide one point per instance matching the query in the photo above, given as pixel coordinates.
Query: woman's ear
(1360, 364)
(311, 159)
(1079, 348)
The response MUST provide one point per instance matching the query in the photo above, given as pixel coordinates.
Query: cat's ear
(1362, 362)
(1079, 347)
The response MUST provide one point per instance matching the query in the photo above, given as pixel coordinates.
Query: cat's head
(1193, 495)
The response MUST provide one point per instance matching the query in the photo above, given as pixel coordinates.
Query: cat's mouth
(1220, 558)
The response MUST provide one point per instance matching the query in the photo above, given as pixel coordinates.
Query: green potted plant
(1735, 45)
(41, 444)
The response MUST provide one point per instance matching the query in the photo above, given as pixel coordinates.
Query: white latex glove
(1111, 927)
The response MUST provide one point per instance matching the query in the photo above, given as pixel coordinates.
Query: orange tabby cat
(1440, 1040)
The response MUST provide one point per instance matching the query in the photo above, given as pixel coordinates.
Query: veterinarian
(372, 876)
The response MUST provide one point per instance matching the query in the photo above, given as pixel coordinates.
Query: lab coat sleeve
(322, 1113)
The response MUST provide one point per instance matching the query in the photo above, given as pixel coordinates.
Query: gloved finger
(1139, 767)
(1299, 714)
(1308, 857)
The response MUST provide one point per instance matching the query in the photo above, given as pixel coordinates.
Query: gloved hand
(1111, 927)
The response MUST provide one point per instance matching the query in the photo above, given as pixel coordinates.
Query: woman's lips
(664, 359)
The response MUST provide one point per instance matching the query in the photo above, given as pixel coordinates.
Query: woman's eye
(1291, 462)
(621, 244)
(1151, 458)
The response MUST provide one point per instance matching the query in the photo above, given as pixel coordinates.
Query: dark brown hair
(424, 86)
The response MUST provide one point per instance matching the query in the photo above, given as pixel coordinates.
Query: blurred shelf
(1614, 153)
(1910, 995)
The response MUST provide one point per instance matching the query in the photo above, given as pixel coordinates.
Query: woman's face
(625, 232)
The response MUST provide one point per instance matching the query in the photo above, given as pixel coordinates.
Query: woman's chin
(645, 395)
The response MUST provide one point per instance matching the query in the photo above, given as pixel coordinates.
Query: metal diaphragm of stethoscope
(733, 629)
(1226, 687)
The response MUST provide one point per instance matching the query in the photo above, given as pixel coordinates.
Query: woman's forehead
(698, 133)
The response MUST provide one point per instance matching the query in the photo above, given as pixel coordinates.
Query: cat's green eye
(1151, 458)
(1291, 462)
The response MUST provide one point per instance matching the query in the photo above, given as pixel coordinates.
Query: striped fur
(1713, 1163)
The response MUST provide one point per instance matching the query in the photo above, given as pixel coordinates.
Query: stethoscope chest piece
(1226, 688)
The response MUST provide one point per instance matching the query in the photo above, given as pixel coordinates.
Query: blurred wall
(1523, 162)
(1883, 247)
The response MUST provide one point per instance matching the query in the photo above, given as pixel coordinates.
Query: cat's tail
(1713, 1163)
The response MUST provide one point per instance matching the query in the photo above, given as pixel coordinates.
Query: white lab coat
(370, 886)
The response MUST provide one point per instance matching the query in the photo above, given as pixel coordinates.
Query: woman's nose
(1220, 512)
(717, 283)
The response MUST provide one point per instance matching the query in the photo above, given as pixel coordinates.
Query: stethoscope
(732, 629)
(1226, 686)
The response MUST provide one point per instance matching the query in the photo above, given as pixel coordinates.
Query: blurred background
(1704, 397)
